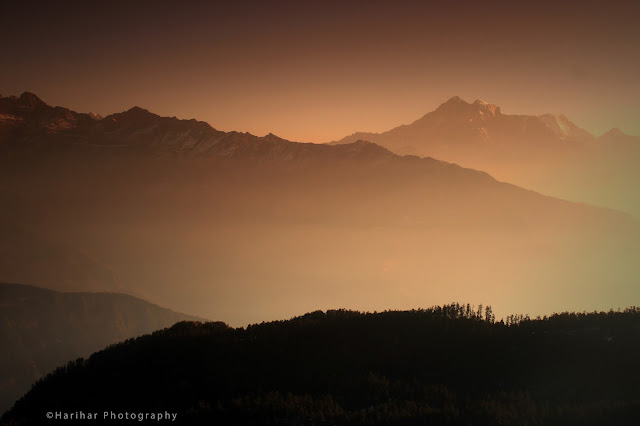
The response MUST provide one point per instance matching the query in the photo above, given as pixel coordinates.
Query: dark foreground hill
(43, 329)
(442, 366)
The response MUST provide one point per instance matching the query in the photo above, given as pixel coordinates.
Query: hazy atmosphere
(260, 180)
(319, 70)
(546, 102)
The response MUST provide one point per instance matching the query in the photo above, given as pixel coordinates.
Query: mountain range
(548, 153)
(233, 226)
(28, 126)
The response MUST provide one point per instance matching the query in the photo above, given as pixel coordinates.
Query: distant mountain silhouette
(29, 127)
(548, 153)
(258, 227)
(617, 139)
(65, 145)
(460, 128)
(450, 365)
(43, 329)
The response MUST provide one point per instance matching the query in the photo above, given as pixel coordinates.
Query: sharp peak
(137, 112)
(614, 132)
(270, 135)
(482, 102)
(457, 105)
(455, 100)
(273, 138)
(31, 99)
(29, 95)
(137, 109)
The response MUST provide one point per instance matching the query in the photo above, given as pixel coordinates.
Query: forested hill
(42, 329)
(441, 366)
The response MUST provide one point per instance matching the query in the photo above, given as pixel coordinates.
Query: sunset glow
(318, 71)
(320, 212)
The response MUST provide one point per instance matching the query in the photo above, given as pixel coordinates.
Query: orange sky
(317, 71)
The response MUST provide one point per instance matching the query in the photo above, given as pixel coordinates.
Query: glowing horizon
(317, 72)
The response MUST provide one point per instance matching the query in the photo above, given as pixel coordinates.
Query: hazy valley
(278, 213)
(243, 228)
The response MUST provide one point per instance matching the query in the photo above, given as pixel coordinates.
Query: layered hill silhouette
(42, 329)
(447, 365)
(547, 153)
(235, 226)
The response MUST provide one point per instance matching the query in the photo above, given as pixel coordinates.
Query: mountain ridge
(139, 129)
(479, 110)
(232, 216)
(42, 329)
(548, 153)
